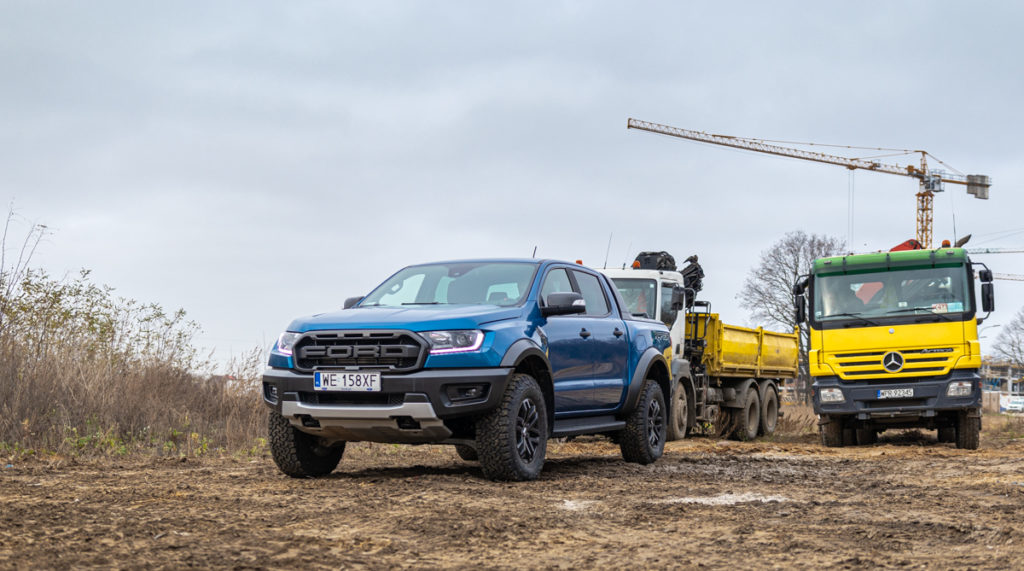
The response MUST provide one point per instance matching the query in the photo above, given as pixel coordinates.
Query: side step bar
(589, 425)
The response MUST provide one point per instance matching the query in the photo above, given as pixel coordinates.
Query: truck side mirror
(988, 297)
(800, 286)
(352, 301)
(563, 303)
(801, 308)
(985, 275)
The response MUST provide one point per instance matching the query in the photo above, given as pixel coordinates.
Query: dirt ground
(905, 502)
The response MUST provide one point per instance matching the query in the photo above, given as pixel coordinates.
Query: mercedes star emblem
(892, 361)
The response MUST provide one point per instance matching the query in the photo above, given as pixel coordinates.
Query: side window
(593, 293)
(668, 315)
(556, 281)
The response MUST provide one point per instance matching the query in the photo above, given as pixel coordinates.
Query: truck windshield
(893, 293)
(640, 295)
(475, 283)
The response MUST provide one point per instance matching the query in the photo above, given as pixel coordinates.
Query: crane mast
(930, 181)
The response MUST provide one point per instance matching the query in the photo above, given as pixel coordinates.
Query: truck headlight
(457, 341)
(959, 389)
(831, 395)
(286, 342)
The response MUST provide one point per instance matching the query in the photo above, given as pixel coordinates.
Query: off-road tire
(467, 452)
(946, 434)
(832, 432)
(968, 431)
(643, 439)
(866, 436)
(769, 411)
(679, 426)
(512, 439)
(298, 454)
(748, 418)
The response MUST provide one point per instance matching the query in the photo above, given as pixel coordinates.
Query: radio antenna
(534, 252)
(608, 249)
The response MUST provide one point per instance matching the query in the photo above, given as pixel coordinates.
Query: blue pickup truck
(492, 356)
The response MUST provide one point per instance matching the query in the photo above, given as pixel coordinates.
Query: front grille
(394, 351)
(917, 362)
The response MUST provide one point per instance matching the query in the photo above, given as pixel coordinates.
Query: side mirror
(985, 275)
(801, 308)
(563, 303)
(988, 296)
(800, 286)
(352, 301)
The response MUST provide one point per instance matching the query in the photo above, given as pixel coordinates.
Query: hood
(413, 318)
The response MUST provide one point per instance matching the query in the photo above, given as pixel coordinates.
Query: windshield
(892, 293)
(639, 294)
(476, 283)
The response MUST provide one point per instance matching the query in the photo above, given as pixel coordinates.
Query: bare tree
(1009, 344)
(768, 290)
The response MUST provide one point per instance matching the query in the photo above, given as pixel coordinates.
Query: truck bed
(734, 351)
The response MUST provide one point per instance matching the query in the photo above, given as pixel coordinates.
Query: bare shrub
(84, 371)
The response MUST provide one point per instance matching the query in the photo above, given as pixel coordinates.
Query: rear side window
(592, 292)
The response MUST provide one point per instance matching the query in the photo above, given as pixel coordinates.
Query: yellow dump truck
(726, 378)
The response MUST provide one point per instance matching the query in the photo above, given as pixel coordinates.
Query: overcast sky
(252, 162)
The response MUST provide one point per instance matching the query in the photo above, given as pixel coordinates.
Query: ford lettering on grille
(385, 350)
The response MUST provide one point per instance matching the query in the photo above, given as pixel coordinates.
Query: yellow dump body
(734, 351)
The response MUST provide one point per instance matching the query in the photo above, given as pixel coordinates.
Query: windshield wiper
(853, 315)
(421, 303)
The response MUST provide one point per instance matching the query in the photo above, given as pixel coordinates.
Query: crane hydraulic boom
(930, 181)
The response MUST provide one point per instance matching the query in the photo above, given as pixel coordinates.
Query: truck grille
(916, 362)
(395, 351)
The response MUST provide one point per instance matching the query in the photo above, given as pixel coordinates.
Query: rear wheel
(968, 431)
(749, 417)
(466, 452)
(643, 439)
(679, 426)
(769, 410)
(298, 454)
(947, 434)
(831, 429)
(512, 439)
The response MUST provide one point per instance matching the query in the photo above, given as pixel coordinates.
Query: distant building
(1002, 375)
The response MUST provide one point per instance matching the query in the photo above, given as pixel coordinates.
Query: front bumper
(929, 400)
(420, 407)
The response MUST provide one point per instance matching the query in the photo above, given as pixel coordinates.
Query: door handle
(584, 333)
(618, 332)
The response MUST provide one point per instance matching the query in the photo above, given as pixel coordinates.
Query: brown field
(907, 501)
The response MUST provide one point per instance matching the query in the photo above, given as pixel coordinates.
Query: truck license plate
(346, 381)
(896, 393)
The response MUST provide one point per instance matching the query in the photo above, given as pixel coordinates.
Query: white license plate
(896, 393)
(346, 382)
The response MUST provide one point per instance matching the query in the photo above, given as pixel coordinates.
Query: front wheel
(832, 433)
(643, 439)
(512, 439)
(298, 454)
(679, 426)
(968, 431)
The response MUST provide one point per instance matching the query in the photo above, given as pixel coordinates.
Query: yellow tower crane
(930, 180)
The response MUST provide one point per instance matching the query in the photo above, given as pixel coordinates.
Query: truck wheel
(947, 434)
(679, 427)
(643, 439)
(749, 417)
(866, 436)
(512, 439)
(466, 452)
(298, 454)
(968, 429)
(769, 411)
(832, 432)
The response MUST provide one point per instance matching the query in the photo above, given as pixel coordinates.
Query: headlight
(457, 341)
(286, 341)
(959, 389)
(831, 395)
